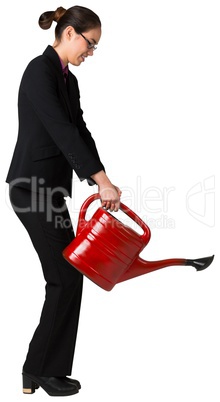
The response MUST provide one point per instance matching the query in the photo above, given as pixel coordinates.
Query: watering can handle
(123, 207)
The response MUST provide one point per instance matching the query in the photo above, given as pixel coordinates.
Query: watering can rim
(124, 208)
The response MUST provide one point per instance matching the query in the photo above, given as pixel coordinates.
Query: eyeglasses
(90, 44)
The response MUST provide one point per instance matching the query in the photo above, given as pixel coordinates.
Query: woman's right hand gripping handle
(109, 194)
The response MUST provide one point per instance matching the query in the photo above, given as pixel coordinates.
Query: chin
(76, 63)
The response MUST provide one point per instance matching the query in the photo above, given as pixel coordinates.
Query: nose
(90, 52)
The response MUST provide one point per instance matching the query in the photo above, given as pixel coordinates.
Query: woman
(53, 140)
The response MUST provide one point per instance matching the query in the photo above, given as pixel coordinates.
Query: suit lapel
(53, 57)
(63, 87)
(73, 95)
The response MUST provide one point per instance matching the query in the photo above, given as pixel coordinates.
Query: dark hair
(82, 19)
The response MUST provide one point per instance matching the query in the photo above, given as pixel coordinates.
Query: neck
(61, 55)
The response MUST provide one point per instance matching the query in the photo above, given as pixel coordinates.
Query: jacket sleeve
(87, 137)
(40, 85)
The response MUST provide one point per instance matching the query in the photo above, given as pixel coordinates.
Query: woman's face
(77, 47)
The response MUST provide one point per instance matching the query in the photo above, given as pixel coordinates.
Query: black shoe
(54, 386)
(72, 381)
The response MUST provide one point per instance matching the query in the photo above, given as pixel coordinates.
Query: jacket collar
(53, 56)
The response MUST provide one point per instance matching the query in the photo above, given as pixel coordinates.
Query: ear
(69, 33)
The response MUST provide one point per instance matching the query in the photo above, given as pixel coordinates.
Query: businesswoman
(53, 141)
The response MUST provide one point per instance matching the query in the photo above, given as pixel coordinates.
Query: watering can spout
(141, 267)
(200, 263)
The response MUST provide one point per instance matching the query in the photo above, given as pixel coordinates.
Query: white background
(150, 97)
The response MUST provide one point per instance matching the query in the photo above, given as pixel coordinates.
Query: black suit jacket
(53, 138)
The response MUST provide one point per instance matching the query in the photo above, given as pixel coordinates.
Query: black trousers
(48, 223)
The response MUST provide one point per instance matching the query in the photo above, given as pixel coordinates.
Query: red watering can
(107, 251)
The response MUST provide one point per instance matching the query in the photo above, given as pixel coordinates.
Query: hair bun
(60, 11)
(46, 19)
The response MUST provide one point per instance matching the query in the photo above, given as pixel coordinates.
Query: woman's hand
(110, 197)
(109, 194)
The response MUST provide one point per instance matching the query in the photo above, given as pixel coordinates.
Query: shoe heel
(28, 385)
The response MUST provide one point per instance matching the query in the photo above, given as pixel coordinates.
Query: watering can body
(104, 248)
(107, 251)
